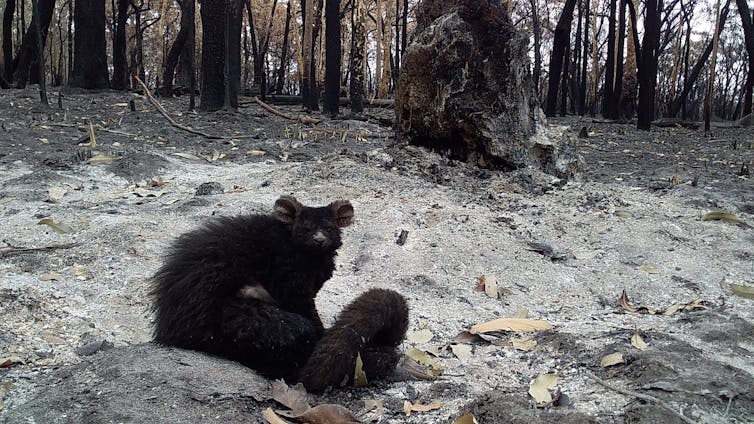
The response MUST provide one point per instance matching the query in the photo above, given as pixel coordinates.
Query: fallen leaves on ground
(466, 419)
(516, 325)
(725, 216)
(409, 407)
(359, 376)
(628, 307)
(294, 398)
(423, 358)
(742, 291)
(638, 342)
(539, 388)
(461, 351)
(524, 344)
(612, 359)
(419, 337)
(58, 227)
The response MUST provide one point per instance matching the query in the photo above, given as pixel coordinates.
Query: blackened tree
(27, 62)
(120, 62)
(89, 46)
(221, 45)
(559, 54)
(332, 57)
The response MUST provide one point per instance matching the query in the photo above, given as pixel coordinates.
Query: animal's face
(316, 229)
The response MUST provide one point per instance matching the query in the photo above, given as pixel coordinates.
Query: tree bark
(746, 21)
(41, 67)
(648, 69)
(179, 45)
(10, 7)
(609, 85)
(560, 45)
(332, 59)
(27, 63)
(90, 48)
(284, 51)
(221, 38)
(537, 33)
(120, 59)
(356, 83)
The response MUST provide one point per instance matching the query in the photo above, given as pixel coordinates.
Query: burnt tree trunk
(648, 65)
(537, 33)
(179, 45)
(688, 83)
(27, 63)
(220, 75)
(10, 7)
(332, 58)
(280, 82)
(478, 107)
(89, 46)
(561, 41)
(609, 85)
(120, 58)
(356, 83)
(746, 21)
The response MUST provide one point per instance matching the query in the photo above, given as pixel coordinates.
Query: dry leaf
(480, 284)
(466, 337)
(638, 342)
(92, 139)
(328, 414)
(612, 359)
(649, 269)
(254, 152)
(627, 306)
(490, 286)
(511, 324)
(56, 193)
(10, 361)
(374, 405)
(58, 227)
(359, 376)
(271, 417)
(525, 344)
(50, 276)
(424, 359)
(539, 388)
(673, 309)
(293, 398)
(586, 254)
(102, 159)
(743, 291)
(159, 181)
(466, 419)
(409, 407)
(418, 337)
(622, 214)
(724, 216)
(461, 351)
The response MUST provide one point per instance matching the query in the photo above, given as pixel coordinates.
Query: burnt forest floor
(638, 223)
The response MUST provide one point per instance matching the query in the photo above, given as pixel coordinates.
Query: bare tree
(332, 59)
(561, 41)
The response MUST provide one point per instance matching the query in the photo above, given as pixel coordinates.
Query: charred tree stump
(465, 87)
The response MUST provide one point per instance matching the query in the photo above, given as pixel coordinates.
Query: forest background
(688, 59)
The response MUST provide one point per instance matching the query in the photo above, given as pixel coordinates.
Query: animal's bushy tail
(374, 325)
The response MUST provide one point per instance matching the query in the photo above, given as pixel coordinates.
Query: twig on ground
(172, 121)
(301, 118)
(10, 250)
(662, 404)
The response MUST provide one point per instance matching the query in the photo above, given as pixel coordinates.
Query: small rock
(91, 348)
(209, 188)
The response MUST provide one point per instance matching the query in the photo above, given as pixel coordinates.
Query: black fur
(244, 287)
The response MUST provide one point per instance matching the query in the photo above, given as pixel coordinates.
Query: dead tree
(90, 51)
(10, 7)
(356, 83)
(332, 58)
(748, 26)
(120, 59)
(280, 82)
(179, 45)
(559, 54)
(26, 69)
(648, 65)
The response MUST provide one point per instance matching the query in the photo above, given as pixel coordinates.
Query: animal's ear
(342, 212)
(287, 208)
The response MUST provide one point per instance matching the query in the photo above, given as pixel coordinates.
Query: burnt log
(465, 88)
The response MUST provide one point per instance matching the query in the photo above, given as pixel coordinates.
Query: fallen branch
(303, 119)
(10, 250)
(662, 404)
(172, 121)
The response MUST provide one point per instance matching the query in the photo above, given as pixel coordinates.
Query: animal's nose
(319, 237)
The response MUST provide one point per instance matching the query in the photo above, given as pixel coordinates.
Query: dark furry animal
(243, 288)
